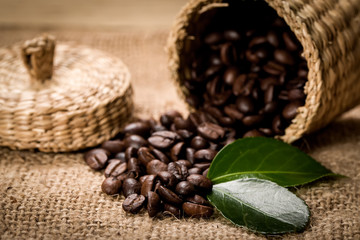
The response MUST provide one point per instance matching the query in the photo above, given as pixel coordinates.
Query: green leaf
(265, 158)
(260, 205)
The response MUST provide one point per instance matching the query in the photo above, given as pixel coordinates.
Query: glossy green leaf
(260, 205)
(265, 158)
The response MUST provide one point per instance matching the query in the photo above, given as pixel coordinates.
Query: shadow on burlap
(56, 196)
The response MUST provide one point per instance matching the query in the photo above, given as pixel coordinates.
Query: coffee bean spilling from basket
(162, 166)
(249, 78)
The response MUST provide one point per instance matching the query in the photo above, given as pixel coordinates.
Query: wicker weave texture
(329, 32)
(85, 103)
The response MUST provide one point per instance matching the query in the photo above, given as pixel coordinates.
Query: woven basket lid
(78, 100)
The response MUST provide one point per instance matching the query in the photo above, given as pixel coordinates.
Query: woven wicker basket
(329, 32)
(84, 103)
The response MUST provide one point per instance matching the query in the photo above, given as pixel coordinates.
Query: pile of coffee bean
(162, 165)
(251, 78)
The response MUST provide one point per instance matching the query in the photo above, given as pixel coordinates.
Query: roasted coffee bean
(133, 166)
(111, 185)
(194, 119)
(167, 179)
(239, 84)
(190, 155)
(205, 155)
(269, 94)
(245, 104)
(296, 94)
(197, 199)
(173, 210)
(153, 204)
(181, 123)
(289, 42)
(266, 131)
(270, 107)
(133, 203)
(177, 150)
(273, 38)
(194, 170)
(130, 152)
(277, 125)
(96, 158)
(155, 166)
(168, 118)
(185, 134)
(120, 156)
(232, 112)
(290, 110)
(163, 139)
(142, 179)
(230, 75)
(283, 57)
(200, 181)
(197, 210)
(147, 185)
(160, 155)
(252, 120)
(211, 131)
(145, 156)
(185, 188)
(115, 168)
(169, 196)
(274, 68)
(138, 128)
(199, 143)
(213, 38)
(267, 82)
(257, 41)
(232, 35)
(253, 133)
(228, 53)
(202, 165)
(130, 186)
(205, 172)
(184, 162)
(113, 146)
(179, 170)
(134, 141)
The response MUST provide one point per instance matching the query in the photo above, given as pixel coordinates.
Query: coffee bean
(179, 170)
(169, 196)
(184, 134)
(137, 128)
(184, 162)
(194, 170)
(205, 172)
(197, 199)
(147, 185)
(252, 120)
(120, 156)
(289, 42)
(153, 204)
(185, 188)
(133, 166)
(228, 53)
(177, 150)
(213, 38)
(199, 143)
(296, 94)
(211, 131)
(115, 168)
(232, 112)
(200, 181)
(130, 186)
(173, 210)
(163, 139)
(130, 152)
(253, 133)
(230, 75)
(197, 210)
(145, 156)
(269, 94)
(190, 155)
(111, 185)
(266, 131)
(273, 68)
(257, 41)
(205, 154)
(202, 165)
(133, 203)
(273, 38)
(270, 107)
(290, 110)
(96, 158)
(245, 104)
(232, 35)
(167, 179)
(155, 166)
(277, 125)
(283, 57)
(181, 123)
(113, 146)
(134, 141)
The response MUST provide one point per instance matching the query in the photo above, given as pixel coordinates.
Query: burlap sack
(329, 32)
(57, 196)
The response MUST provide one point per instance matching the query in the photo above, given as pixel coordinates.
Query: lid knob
(38, 57)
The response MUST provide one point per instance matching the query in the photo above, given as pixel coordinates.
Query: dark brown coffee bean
(177, 150)
(147, 185)
(167, 179)
(194, 119)
(115, 168)
(120, 156)
(181, 123)
(199, 143)
(253, 133)
(160, 155)
(111, 185)
(270, 107)
(184, 162)
(179, 170)
(197, 210)
(283, 56)
(214, 60)
(274, 68)
(273, 38)
(137, 128)
(133, 166)
(213, 38)
(190, 155)
(214, 112)
(205, 154)
(205, 172)
(198, 200)
(155, 166)
(277, 125)
(172, 210)
(269, 94)
(252, 120)
(130, 186)
(185, 188)
(163, 139)
(239, 84)
(168, 118)
(261, 53)
(251, 56)
(228, 53)
(202, 165)
(266, 82)
(295, 83)
(145, 156)
(302, 73)
(153, 204)
(245, 104)
(96, 158)
(195, 170)
(230, 75)
(113, 146)
(211, 131)
(232, 112)
(133, 203)
(249, 86)
(283, 95)
(184, 134)
(266, 131)
(135, 141)
(289, 42)
(232, 35)
(290, 110)
(257, 41)
(130, 152)
(142, 179)
(296, 94)
(169, 196)
(200, 181)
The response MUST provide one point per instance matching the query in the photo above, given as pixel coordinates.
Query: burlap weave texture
(56, 196)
